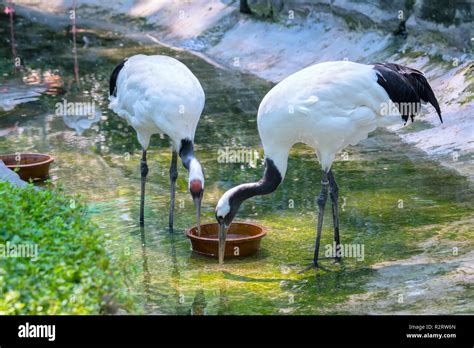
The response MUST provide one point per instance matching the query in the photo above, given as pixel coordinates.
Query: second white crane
(327, 106)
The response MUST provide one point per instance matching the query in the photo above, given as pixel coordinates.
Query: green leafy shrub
(73, 272)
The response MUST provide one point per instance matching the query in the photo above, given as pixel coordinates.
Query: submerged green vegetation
(54, 260)
(394, 201)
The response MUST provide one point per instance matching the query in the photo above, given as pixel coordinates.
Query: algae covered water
(408, 219)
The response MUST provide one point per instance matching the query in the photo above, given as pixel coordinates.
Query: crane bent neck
(229, 203)
(267, 184)
(190, 162)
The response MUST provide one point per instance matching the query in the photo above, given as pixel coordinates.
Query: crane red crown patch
(195, 186)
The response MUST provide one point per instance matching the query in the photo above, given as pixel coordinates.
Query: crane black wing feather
(406, 85)
(113, 78)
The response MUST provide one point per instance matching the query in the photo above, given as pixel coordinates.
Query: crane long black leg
(321, 201)
(173, 177)
(144, 172)
(334, 193)
(323, 196)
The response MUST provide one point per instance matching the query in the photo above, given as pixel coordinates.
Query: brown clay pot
(33, 166)
(243, 237)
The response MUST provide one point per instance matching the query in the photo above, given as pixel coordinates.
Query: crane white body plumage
(158, 94)
(327, 106)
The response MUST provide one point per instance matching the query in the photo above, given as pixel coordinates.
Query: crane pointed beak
(222, 237)
(197, 205)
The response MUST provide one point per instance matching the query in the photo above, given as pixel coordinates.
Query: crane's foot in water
(316, 265)
(312, 266)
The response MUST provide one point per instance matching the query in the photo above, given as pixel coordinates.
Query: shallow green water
(392, 197)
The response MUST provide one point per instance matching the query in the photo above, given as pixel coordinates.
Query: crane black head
(196, 175)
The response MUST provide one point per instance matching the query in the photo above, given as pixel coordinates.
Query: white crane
(159, 94)
(327, 106)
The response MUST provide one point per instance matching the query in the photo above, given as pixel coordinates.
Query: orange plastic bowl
(243, 239)
(33, 166)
